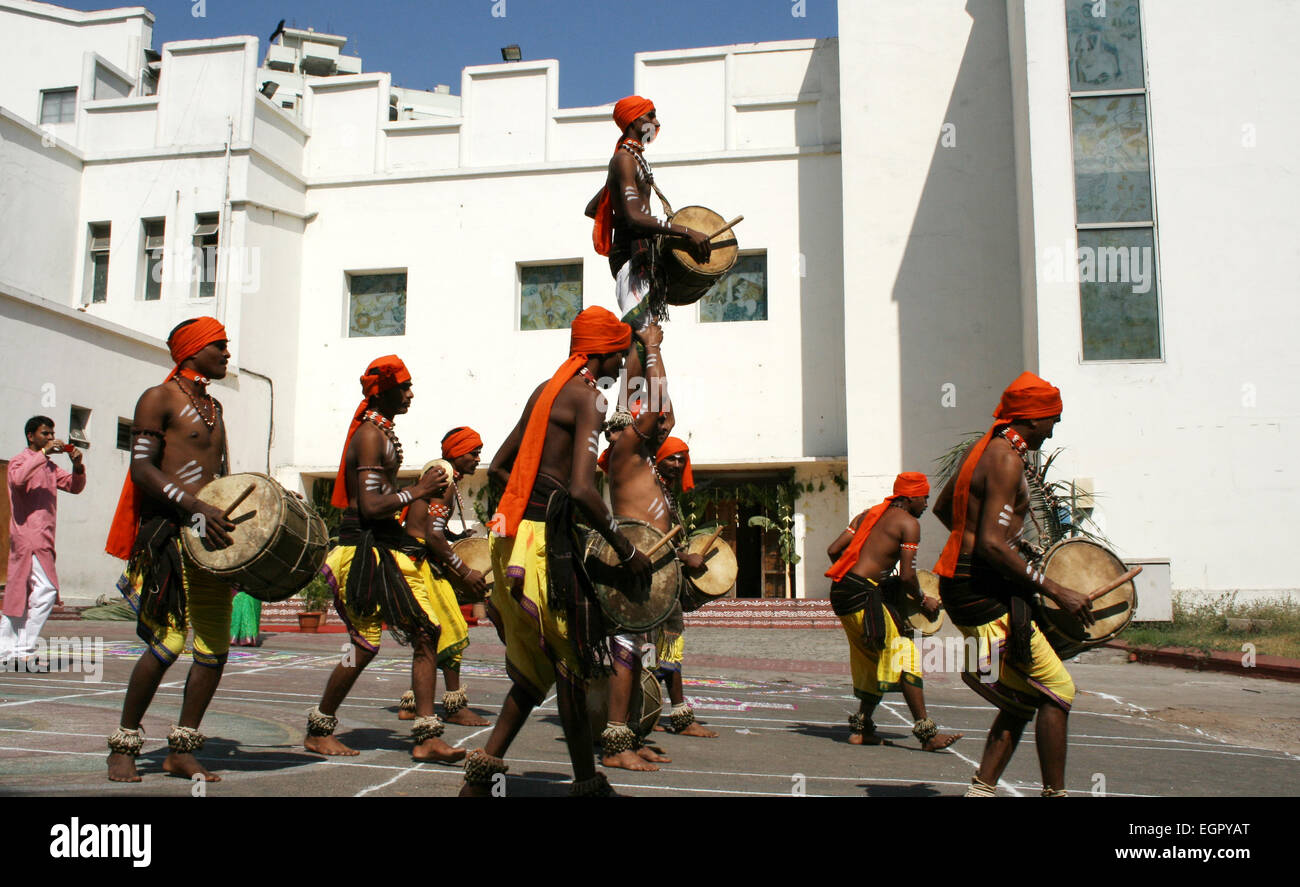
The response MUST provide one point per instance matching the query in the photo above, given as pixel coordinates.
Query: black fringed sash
(157, 559)
(977, 594)
(375, 585)
(568, 587)
(854, 593)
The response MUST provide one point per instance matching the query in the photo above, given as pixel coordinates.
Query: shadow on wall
(958, 286)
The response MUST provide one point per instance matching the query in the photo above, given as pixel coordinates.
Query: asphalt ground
(779, 698)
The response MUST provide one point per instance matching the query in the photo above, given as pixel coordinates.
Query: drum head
(476, 554)
(718, 576)
(706, 221)
(257, 521)
(912, 612)
(628, 603)
(1085, 566)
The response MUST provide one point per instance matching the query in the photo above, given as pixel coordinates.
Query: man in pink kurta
(32, 588)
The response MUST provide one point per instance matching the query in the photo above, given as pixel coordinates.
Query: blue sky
(423, 43)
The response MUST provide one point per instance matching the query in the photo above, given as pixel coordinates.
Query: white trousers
(628, 290)
(18, 636)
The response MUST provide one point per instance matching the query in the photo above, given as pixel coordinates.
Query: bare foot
(187, 766)
(696, 729)
(405, 715)
(327, 745)
(867, 739)
(438, 752)
(653, 754)
(467, 718)
(627, 760)
(121, 768)
(941, 741)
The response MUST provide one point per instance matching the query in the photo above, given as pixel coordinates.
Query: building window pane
(377, 305)
(550, 296)
(1112, 173)
(100, 240)
(153, 259)
(123, 434)
(740, 295)
(1106, 49)
(206, 242)
(59, 105)
(1119, 294)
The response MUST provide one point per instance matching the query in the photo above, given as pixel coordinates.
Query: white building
(920, 221)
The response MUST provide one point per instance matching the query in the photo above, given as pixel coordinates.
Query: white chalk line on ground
(1015, 792)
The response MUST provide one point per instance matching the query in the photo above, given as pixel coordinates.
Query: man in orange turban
(869, 602)
(375, 569)
(988, 587)
(554, 631)
(178, 445)
(426, 521)
(625, 230)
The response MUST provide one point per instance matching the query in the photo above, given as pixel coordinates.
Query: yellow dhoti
(367, 631)
(1018, 689)
(876, 673)
(538, 650)
(207, 610)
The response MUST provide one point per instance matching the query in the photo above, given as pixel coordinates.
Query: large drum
(279, 541)
(476, 554)
(1084, 566)
(717, 577)
(632, 604)
(643, 709)
(911, 611)
(687, 279)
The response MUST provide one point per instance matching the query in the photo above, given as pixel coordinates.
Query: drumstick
(736, 221)
(240, 498)
(708, 546)
(1114, 584)
(664, 541)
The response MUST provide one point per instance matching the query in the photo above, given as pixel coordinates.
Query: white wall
(1191, 456)
(931, 252)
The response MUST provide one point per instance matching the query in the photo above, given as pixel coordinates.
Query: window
(100, 238)
(377, 304)
(1114, 201)
(79, 426)
(205, 254)
(740, 295)
(153, 259)
(123, 434)
(550, 296)
(59, 105)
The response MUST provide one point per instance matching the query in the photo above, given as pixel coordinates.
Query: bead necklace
(384, 424)
(209, 418)
(1033, 476)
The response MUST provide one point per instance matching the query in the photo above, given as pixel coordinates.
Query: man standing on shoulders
(32, 588)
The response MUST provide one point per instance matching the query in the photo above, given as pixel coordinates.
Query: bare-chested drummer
(426, 520)
(552, 622)
(637, 492)
(882, 658)
(178, 445)
(625, 229)
(987, 588)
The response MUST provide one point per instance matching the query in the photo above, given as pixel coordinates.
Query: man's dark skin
(882, 550)
(998, 483)
(568, 456)
(374, 494)
(419, 523)
(634, 213)
(188, 456)
(670, 469)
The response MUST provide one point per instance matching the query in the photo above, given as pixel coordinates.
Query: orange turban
(907, 484)
(1029, 397)
(383, 373)
(671, 447)
(594, 331)
(183, 344)
(626, 110)
(459, 442)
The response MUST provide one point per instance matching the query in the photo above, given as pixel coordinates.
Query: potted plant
(315, 598)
